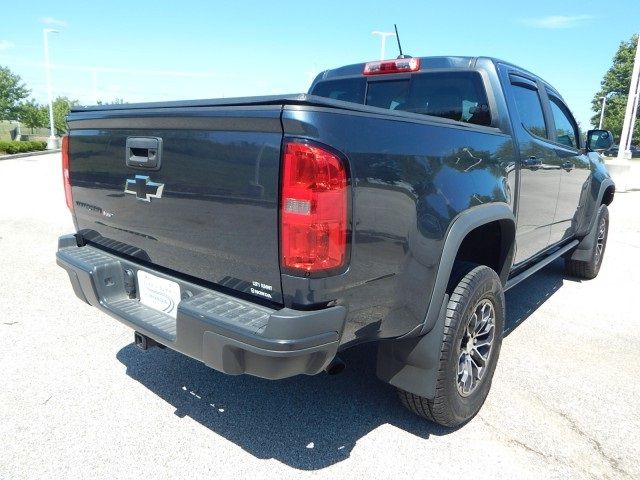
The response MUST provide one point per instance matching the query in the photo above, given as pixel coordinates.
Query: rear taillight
(399, 65)
(313, 209)
(65, 172)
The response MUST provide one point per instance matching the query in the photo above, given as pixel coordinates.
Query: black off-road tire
(449, 407)
(589, 269)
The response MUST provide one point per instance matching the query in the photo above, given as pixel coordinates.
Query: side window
(529, 109)
(566, 129)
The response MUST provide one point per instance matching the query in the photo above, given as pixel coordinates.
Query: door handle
(143, 152)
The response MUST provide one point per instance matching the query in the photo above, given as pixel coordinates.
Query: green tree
(615, 84)
(61, 108)
(33, 115)
(116, 101)
(12, 92)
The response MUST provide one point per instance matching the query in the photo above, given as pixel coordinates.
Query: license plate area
(158, 293)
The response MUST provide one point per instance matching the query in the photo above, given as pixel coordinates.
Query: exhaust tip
(335, 367)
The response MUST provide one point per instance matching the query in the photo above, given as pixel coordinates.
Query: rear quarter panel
(410, 179)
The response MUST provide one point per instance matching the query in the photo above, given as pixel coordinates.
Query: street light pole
(52, 141)
(383, 39)
(604, 105)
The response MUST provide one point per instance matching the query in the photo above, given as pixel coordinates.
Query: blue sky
(159, 50)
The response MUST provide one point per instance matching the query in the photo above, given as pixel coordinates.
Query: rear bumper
(228, 334)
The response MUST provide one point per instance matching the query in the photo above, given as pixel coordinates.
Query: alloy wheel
(476, 347)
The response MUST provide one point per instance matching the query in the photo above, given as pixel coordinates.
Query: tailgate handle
(144, 152)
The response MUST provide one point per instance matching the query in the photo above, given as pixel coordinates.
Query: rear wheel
(589, 269)
(469, 353)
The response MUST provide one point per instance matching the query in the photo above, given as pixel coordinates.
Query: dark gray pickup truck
(395, 202)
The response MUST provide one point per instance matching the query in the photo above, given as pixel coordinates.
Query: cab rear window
(459, 96)
(348, 90)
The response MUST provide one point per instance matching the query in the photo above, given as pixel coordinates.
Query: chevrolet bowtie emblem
(143, 188)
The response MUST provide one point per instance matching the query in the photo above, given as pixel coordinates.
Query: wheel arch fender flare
(604, 185)
(582, 251)
(460, 227)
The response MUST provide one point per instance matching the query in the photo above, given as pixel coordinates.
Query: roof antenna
(400, 46)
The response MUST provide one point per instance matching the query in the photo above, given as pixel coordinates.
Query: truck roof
(428, 63)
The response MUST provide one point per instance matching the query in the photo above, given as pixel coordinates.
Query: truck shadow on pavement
(308, 423)
(305, 422)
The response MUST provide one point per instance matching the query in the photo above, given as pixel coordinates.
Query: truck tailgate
(209, 210)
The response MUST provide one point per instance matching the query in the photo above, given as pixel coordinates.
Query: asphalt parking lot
(78, 400)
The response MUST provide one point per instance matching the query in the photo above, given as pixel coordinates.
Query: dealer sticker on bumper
(158, 293)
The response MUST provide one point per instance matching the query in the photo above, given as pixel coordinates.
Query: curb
(28, 154)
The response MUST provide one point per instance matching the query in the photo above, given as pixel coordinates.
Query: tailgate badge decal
(143, 188)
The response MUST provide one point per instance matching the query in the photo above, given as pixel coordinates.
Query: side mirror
(599, 140)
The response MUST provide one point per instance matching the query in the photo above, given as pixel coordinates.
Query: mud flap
(412, 364)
